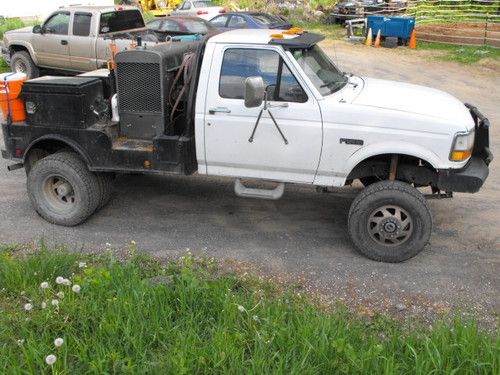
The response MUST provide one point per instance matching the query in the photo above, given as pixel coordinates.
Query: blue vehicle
(249, 20)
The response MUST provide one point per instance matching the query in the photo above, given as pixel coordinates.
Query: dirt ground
(302, 237)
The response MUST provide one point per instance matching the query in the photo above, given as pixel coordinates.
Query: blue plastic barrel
(398, 27)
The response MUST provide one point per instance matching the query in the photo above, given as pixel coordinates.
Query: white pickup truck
(74, 39)
(252, 104)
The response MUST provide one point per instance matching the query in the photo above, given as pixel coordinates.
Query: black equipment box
(72, 102)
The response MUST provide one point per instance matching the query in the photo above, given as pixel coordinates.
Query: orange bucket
(10, 88)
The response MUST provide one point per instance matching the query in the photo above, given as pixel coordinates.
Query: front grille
(139, 87)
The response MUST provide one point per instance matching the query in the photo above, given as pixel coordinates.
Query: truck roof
(97, 8)
(264, 36)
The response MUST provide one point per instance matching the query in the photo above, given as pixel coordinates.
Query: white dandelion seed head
(60, 294)
(241, 308)
(54, 302)
(133, 242)
(44, 285)
(23, 293)
(44, 305)
(59, 280)
(35, 273)
(20, 342)
(108, 244)
(28, 306)
(50, 359)
(76, 288)
(58, 342)
(82, 264)
(66, 282)
(256, 318)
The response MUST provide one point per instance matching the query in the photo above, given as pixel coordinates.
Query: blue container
(398, 27)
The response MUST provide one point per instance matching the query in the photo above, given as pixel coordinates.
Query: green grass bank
(140, 316)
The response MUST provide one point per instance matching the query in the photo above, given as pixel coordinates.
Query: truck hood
(405, 97)
(24, 30)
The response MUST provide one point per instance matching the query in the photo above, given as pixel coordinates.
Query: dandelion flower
(54, 302)
(59, 280)
(44, 285)
(28, 306)
(20, 342)
(44, 305)
(60, 294)
(58, 342)
(50, 359)
(82, 265)
(66, 282)
(76, 288)
(241, 308)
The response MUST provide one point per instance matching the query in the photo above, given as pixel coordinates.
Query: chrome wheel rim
(59, 193)
(20, 67)
(390, 225)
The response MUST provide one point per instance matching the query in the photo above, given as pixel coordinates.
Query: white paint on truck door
(229, 124)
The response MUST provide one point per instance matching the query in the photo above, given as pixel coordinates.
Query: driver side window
(238, 64)
(57, 24)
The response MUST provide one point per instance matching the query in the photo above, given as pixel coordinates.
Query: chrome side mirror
(254, 92)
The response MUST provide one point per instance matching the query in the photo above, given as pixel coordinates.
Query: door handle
(281, 105)
(212, 111)
(64, 42)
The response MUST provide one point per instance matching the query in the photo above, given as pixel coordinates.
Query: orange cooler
(10, 88)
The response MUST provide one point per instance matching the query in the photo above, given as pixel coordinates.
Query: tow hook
(13, 167)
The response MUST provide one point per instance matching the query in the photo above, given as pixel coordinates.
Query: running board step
(246, 192)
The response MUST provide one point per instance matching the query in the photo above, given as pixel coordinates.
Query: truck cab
(252, 105)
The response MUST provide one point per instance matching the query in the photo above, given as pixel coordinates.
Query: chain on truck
(248, 104)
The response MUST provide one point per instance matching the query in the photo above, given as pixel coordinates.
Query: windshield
(120, 20)
(198, 27)
(324, 75)
(265, 19)
(203, 4)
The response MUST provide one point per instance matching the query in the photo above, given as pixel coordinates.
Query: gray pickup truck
(74, 39)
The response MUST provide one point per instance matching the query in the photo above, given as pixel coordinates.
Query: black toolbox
(72, 102)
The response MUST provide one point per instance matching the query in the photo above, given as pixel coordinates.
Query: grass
(192, 319)
(461, 54)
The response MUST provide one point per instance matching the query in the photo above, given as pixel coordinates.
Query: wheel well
(16, 48)
(410, 169)
(45, 147)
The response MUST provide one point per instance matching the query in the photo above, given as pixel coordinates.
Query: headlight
(462, 146)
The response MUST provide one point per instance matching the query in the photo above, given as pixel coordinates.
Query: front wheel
(62, 189)
(21, 62)
(390, 221)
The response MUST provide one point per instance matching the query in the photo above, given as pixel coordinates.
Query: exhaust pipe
(13, 167)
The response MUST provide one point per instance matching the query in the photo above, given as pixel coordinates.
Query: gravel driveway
(303, 236)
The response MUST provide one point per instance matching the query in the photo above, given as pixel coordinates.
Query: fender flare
(25, 45)
(385, 148)
(59, 138)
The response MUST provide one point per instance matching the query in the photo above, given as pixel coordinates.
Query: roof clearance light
(279, 36)
(294, 31)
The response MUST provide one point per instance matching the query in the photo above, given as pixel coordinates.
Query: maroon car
(180, 25)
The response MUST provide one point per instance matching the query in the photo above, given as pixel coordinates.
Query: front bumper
(5, 53)
(470, 178)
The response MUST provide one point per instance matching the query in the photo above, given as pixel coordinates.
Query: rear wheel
(390, 221)
(105, 181)
(62, 189)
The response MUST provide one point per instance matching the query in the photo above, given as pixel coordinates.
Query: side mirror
(37, 29)
(254, 92)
